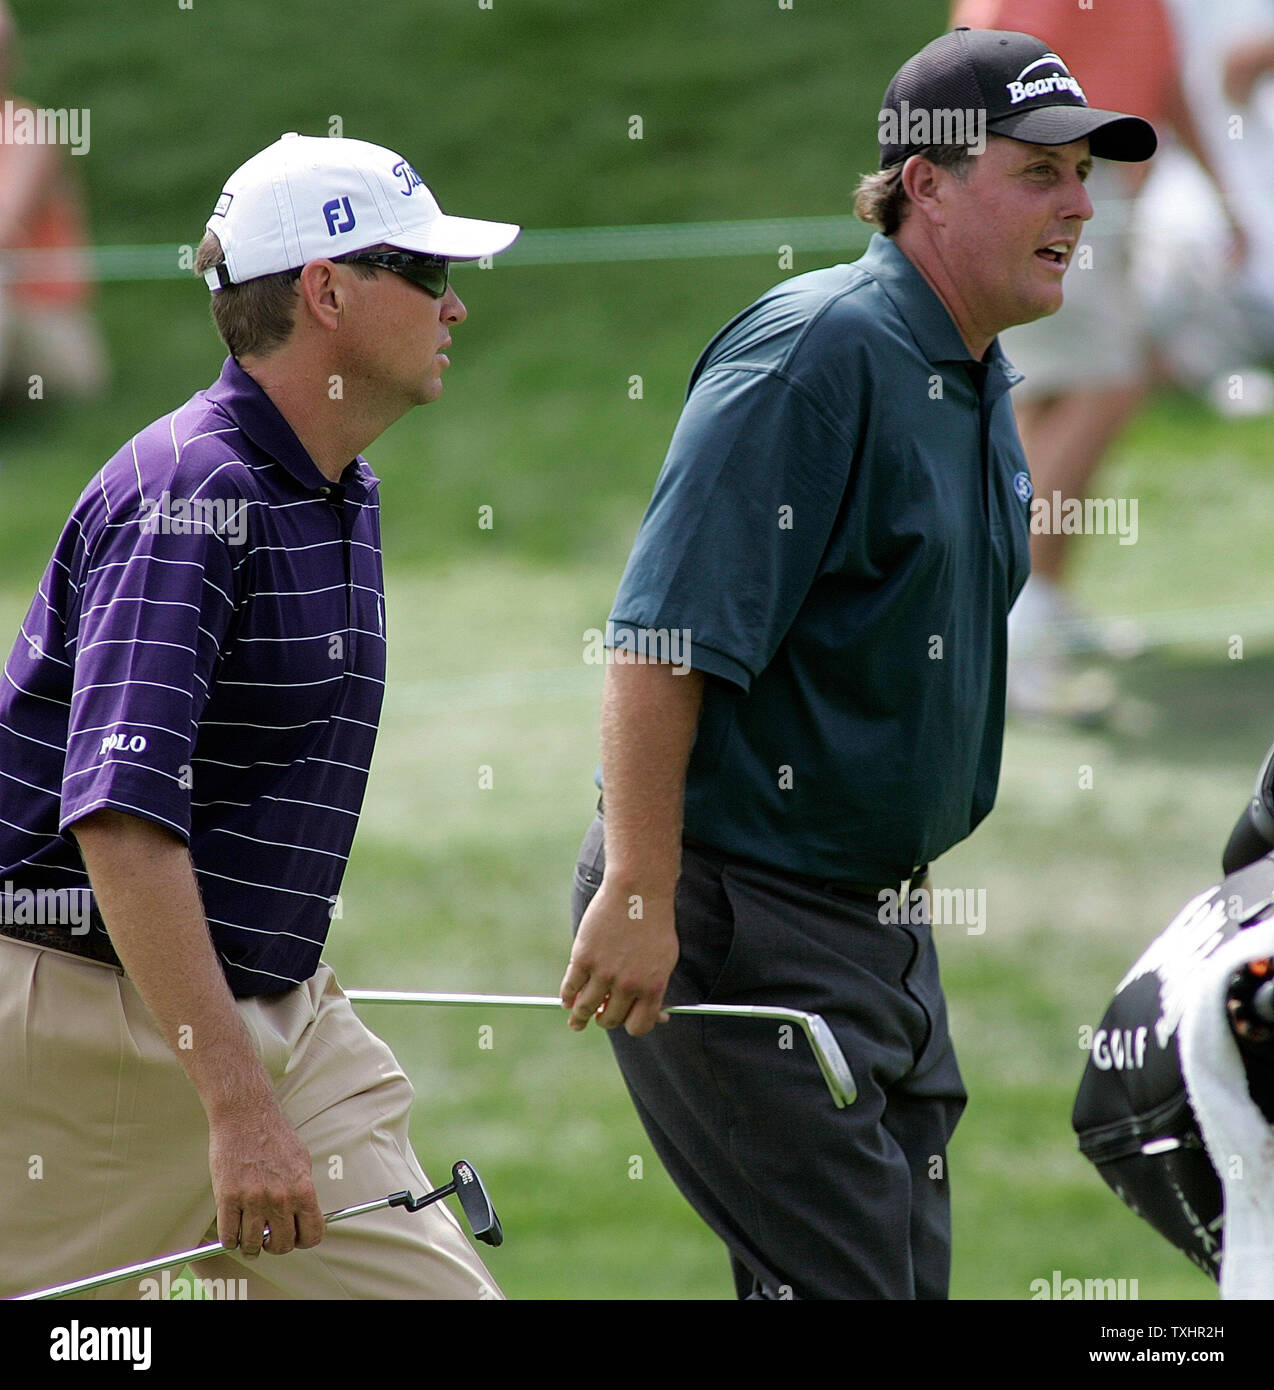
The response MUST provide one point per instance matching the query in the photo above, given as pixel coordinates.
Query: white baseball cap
(310, 196)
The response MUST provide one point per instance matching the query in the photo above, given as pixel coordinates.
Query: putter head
(479, 1212)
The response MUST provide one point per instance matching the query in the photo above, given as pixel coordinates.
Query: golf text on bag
(76, 1343)
(924, 125)
(934, 907)
(1087, 516)
(638, 646)
(45, 907)
(1118, 1049)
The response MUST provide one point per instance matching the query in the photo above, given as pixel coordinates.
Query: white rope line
(1208, 627)
(535, 247)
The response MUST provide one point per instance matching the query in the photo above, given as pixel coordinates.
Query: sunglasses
(430, 273)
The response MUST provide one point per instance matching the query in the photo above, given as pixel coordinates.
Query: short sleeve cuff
(638, 643)
(132, 791)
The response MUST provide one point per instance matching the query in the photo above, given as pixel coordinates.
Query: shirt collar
(244, 402)
(926, 316)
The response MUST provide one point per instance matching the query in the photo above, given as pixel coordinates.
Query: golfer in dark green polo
(806, 703)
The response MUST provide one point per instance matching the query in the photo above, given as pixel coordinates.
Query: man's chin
(1041, 309)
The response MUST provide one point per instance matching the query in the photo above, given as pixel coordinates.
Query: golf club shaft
(181, 1257)
(551, 1001)
(827, 1053)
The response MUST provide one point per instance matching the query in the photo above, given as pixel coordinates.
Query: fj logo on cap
(1023, 90)
(339, 215)
(409, 176)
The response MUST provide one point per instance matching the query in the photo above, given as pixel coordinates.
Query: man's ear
(321, 294)
(925, 184)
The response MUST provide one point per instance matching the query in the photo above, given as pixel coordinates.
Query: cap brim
(1111, 134)
(458, 238)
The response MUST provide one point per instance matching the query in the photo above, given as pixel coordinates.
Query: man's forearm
(145, 888)
(626, 946)
(649, 718)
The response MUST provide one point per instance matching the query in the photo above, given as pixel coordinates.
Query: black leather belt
(93, 944)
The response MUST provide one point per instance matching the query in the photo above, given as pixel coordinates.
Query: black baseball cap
(1023, 87)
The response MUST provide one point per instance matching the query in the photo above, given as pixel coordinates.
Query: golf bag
(1133, 1114)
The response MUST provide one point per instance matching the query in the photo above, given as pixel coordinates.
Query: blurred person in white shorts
(1088, 367)
(1212, 314)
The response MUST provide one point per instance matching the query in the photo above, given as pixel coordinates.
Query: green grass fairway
(523, 111)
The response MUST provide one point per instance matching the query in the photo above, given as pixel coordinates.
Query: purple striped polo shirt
(206, 650)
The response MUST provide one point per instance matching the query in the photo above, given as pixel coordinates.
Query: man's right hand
(262, 1178)
(621, 962)
(626, 946)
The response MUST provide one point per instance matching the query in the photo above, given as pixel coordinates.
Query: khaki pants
(104, 1144)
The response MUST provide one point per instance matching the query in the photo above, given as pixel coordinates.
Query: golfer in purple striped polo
(187, 720)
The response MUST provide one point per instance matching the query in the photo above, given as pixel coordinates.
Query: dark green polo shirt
(835, 539)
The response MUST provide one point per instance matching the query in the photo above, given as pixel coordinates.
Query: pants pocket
(590, 866)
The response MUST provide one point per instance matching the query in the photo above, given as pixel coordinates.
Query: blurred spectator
(46, 328)
(1213, 321)
(1088, 366)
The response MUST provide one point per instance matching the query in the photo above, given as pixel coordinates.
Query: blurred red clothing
(1122, 52)
(54, 224)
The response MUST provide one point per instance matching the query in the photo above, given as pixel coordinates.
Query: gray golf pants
(811, 1201)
